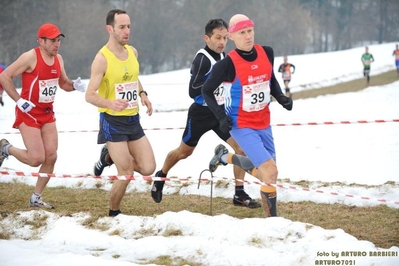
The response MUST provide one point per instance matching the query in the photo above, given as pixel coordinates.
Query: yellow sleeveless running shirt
(120, 82)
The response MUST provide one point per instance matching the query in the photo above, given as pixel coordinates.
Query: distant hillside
(354, 85)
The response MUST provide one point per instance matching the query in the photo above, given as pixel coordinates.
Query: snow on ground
(364, 154)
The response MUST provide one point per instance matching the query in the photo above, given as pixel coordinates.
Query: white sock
(224, 158)
(35, 196)
(5, 149)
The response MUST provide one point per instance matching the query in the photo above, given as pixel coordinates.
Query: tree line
(167, 33)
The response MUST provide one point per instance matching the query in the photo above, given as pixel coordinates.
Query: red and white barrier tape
(339, 122)
(96, 130)
(315, 190)
(154, 178)
(273, 125)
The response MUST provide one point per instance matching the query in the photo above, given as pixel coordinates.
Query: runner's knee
(147, 170)
(183, 154)
(35, 161)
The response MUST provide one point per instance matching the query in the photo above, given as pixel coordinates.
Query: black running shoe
(157, 187)
(243, 200)
(215, 162)
(3, 155)
(105, 160)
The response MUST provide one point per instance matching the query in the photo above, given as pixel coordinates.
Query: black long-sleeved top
(200, 67)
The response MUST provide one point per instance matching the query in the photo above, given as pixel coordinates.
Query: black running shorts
(200, 120)
(119, 128)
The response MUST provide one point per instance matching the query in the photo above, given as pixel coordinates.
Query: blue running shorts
(258, 145)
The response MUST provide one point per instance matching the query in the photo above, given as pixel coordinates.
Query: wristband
(143, 91)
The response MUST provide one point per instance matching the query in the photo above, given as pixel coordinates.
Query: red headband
(241, 25)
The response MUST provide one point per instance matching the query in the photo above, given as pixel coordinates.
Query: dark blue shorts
(119, 128)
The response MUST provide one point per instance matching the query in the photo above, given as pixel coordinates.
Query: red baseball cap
(49, 31)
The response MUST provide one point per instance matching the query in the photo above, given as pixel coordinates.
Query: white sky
(355, 153)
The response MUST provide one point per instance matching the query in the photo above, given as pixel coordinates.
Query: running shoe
(104, 161)
(40, 203)
(157, 187)
(244, 200)
(216, 161)
(3, 155)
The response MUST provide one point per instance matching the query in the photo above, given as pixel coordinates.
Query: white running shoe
(40, 203)
(3, 155)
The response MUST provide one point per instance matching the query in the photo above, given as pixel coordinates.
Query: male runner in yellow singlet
(114, 74)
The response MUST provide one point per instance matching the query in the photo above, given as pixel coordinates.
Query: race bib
(219, 94)
(286, 74)
(47, 90)
(256, 96)
(127, 91)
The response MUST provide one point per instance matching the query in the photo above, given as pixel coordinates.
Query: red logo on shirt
(247, 90)
(119, 88)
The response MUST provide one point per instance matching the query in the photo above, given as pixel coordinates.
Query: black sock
(239, 190)
(161, 174)
(113, 213)
(269, 200)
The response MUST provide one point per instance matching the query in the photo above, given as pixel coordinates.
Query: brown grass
(376, 224)
(379, 225)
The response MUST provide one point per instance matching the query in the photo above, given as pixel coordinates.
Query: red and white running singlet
(41, 85)
(247, 97)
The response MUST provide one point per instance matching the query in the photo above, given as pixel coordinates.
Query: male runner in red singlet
(42, 72)
(247, 73)
(287, 69)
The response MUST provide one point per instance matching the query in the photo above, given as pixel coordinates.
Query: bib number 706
(129, 95)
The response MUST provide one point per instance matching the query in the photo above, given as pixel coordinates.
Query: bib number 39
(256, 96)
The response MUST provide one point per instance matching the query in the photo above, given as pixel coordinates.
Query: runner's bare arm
(25, 63)
(144, 99)
(98, 70)
(65, 83)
